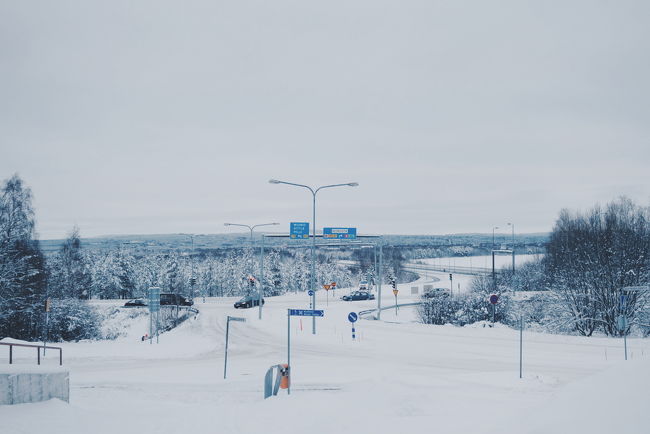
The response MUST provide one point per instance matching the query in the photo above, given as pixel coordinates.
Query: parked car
(248, 301)
(137, 302)
(174, 299)
(358, 295)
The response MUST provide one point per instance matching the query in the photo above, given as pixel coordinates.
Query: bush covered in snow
(72, 320)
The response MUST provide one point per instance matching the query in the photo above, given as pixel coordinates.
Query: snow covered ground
(398, 376)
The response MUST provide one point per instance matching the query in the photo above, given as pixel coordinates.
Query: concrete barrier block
(21, 384)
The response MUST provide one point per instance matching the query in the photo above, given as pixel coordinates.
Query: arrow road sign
(305, 312)
(353, 317)
(340, 233)
(310, 293)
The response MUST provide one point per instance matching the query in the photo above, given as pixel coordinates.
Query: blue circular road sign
(494, 299)
(353, 317)
(310, 292)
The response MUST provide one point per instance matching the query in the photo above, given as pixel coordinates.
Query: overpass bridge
(431, 268)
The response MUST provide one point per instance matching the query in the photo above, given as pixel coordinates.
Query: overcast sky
(131, 117)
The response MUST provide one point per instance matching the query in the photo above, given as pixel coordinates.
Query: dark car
(174, 300)
(138, 302)
(358, 295)
(248, 301)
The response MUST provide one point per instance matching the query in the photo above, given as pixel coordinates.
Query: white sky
(454, 116)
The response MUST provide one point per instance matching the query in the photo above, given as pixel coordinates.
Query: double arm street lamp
(261, 279)
(313, 232)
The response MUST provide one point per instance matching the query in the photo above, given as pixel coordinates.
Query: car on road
(248, 301)
(137, 302)
(358, 295)
(174, 300)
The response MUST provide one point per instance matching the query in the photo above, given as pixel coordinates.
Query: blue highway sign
(304, 312)
(298, 230)
(340, 233)
(310, 292)
(353, 317)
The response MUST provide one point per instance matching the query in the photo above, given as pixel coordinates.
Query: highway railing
(38, 351)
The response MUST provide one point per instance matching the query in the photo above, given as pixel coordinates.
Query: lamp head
(273, 181)
(353, 184)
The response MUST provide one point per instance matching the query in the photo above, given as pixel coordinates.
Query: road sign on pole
(225, 356)
(299, 230)
(353, 317)
(305, 312)
(340, 233)
(296, 312)
(310, 293)
(153, 301)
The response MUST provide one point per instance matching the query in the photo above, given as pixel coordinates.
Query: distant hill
(163, 242)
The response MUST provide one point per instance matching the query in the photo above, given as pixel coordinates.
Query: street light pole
(495, 227)
(261, 279)
(313, 233)
(513, 246)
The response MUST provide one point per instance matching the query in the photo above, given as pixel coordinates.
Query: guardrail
(38, 351)
(451, 269)
(369, 311)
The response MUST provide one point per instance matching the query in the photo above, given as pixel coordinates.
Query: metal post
(380, 276)
(11, 354)
(150, 326)
(625, 343)
(261, 279)
(313, 260)
(225, 358)
(451, 285)
(375, 276)
(289, 348)
(38, 354)
(395, 304)
(494, 273)
(521, 343)
(192, 267)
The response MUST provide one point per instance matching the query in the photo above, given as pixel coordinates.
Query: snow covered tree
(69, 273)
(591, 256)
(23, 277)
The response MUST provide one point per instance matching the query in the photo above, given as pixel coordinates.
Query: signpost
(327, 291)
(353, 317)
(333, 285)
(299, 230)
(297, 312)
(395, 291)
(225, 356)
(340, 233)
(153, 302)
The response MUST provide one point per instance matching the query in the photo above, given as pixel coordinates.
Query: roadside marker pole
(225, 357)
(289, 347)
(521, 344)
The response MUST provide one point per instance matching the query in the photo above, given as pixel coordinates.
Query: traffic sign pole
(225, 358)
(289, 347)
(353, 317)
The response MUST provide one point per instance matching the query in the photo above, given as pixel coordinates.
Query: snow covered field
(398, 377)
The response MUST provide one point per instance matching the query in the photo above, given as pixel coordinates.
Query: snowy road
(398, 376)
